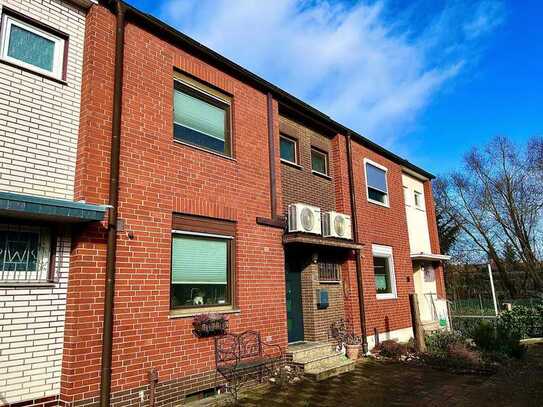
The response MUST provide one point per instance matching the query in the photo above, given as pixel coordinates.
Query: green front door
(295, 321)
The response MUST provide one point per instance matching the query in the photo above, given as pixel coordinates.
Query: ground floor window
(201, 268)
(329, 271)
(383, 267)
(25, 253)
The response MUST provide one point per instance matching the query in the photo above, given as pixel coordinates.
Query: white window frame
(295, 142)
(407, 195)
(326, 163)
(386, 253)
(420, 204)
(58, 57)
(386, 204)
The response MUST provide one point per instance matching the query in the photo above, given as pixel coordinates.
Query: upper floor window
(288, 149)
(319, 161)
(376, 181)
(25, 253)
(201, 119)
(417, 199)
(33, 47)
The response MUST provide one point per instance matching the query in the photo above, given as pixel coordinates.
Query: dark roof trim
(201, 51)
(52, 209)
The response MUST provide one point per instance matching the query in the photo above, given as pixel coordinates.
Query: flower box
(209, 325)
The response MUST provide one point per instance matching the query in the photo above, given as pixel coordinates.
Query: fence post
(418, 329)
(493, 290)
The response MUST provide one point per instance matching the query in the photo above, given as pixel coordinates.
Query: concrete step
(305, 350)
(311, 362)
(331, 369)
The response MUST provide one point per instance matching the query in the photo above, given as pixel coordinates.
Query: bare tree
(496, 201)
(459, 196)
(512, 193)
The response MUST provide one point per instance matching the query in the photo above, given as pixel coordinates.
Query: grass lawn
(378, 383)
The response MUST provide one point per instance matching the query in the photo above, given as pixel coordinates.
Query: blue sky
(428, 79)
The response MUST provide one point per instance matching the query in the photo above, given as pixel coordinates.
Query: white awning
(429, 256)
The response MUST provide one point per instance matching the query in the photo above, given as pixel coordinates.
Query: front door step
(319, 360)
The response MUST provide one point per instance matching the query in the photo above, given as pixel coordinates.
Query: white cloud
(352, 62)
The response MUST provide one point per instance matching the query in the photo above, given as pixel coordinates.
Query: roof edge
(207, 54)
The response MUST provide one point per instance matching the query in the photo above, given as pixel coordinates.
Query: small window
(201, 119)
(329, 272)
(376, 179)
(406, 196)
(25, 254)
(319, 161)
(200, 271)
(383, 267)
(289, 149)
(32, 47)
(417, 199)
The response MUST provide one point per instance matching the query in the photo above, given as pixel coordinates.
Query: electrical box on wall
(322, 299)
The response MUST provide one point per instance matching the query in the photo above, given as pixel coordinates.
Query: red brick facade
(160, 177)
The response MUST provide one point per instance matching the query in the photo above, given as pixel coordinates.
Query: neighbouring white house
(41, 58)
(433, 309)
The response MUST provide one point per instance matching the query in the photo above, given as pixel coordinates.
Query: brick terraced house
(41, 60)
(226, 195)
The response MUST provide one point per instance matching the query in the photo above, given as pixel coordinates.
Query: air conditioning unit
(304, 218)
(335, 224)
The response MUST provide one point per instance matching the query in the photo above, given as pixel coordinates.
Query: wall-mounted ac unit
(304, 218)
(336, 224)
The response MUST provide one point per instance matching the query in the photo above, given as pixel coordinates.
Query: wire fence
(470, 297)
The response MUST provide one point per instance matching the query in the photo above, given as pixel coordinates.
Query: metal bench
(243, 357)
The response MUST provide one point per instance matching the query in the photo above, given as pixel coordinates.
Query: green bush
(484, 336)
(438, 342)
(451, 351)
(499, 339)
(522, 321)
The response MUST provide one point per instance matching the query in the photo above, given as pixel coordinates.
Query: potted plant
(210, 324)
(352, 344)
(346, 339)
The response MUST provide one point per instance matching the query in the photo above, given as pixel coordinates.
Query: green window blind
(198, 260)
(198, 115)
(31, 48)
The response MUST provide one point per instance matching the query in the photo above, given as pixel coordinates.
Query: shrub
(392, 349)
(439, 342)
(521, 320)
(461, 356)
(498, 339)
(451, 350)
(484, 336)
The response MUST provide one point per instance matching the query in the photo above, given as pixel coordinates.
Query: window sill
(205, 150)
(320, 174)
(384, 205)
(334, 282)
(34, 72)
(27, 284)
(191, 312)
(291, 164)
(387, 296)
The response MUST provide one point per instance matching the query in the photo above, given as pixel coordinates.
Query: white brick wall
(39, 118)
(39, 121)
(31, 335)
